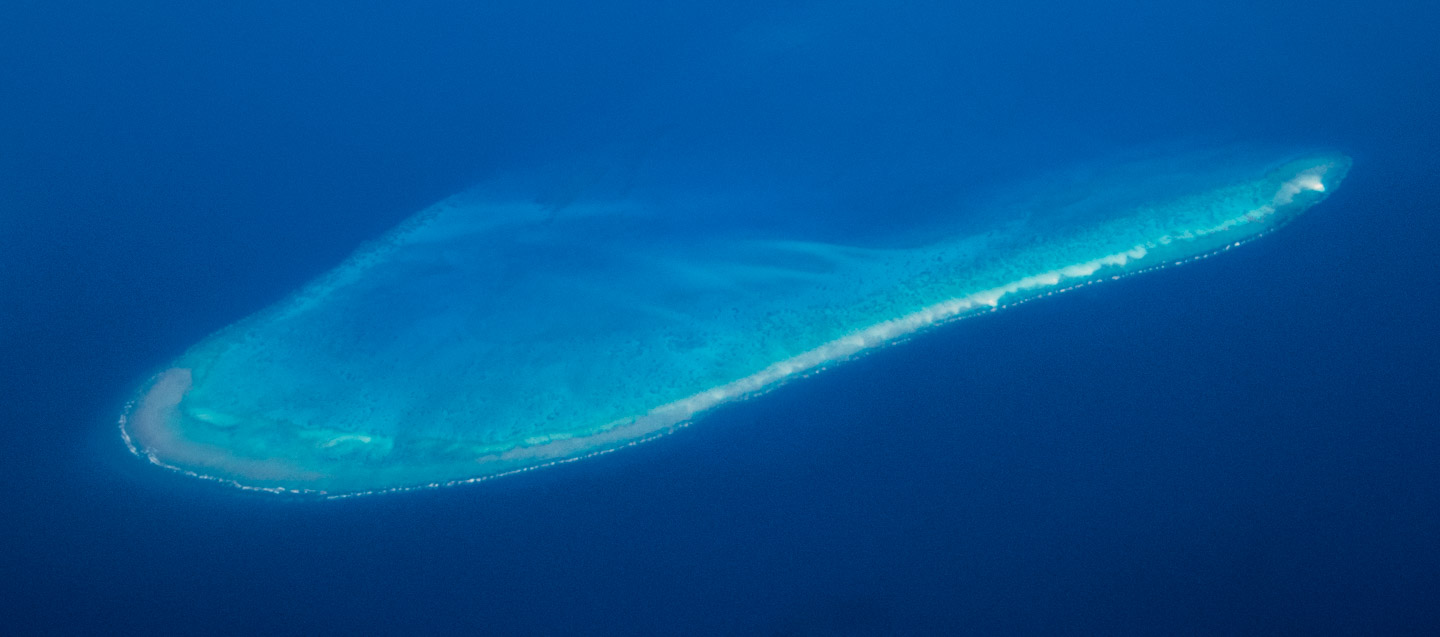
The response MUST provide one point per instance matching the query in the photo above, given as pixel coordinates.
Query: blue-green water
(487, 336)
(1244, 445)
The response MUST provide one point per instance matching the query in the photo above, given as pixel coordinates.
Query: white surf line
(668, 417)
(672, 416)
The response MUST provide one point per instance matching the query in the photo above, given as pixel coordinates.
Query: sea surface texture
(756, 317)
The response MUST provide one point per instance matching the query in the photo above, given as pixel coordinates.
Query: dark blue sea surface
(1243, 445)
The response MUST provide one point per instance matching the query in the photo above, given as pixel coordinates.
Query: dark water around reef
(1242, 445)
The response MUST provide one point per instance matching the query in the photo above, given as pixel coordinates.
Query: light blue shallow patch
(489, 335)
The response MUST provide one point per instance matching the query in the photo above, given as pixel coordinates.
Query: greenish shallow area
(490, 335)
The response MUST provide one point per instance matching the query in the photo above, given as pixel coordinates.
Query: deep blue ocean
(1244, 445)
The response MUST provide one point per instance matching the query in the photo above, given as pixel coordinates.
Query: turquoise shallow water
(1243, 445)
(491, 334)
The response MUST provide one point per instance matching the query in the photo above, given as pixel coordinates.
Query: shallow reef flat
(490, 334)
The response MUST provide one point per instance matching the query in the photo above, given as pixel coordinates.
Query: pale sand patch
(153, 428)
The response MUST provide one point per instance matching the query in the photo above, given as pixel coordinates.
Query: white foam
(1312, 180)
(672, 414)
